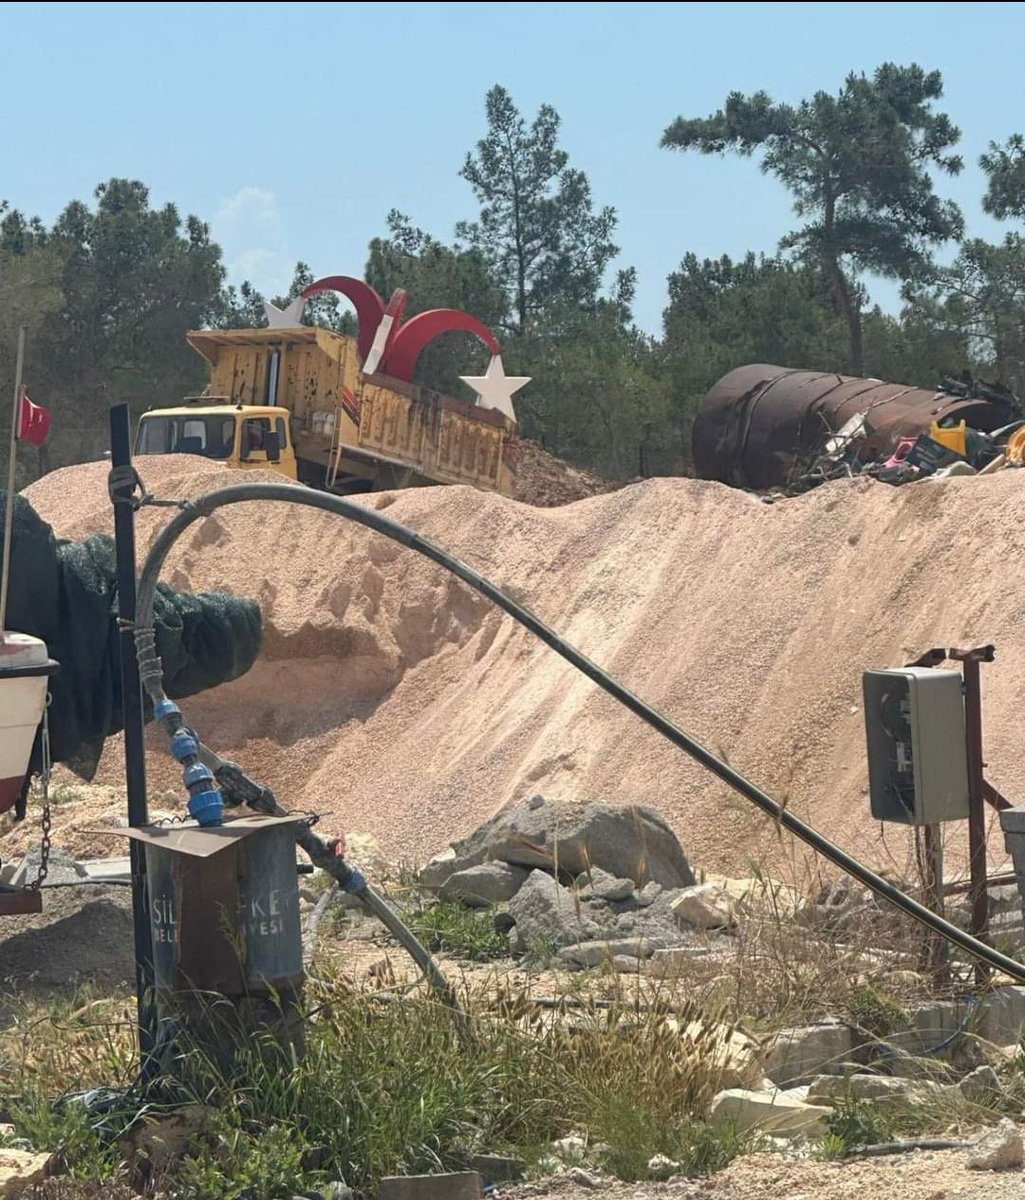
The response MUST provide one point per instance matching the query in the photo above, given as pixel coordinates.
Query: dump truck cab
(239, 435)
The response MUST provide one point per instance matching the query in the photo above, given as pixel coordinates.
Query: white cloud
(249, 206)
(249, 228)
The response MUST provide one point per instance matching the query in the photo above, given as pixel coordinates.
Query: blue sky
(294, 128)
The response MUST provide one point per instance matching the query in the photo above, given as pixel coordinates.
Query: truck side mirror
(272, 444)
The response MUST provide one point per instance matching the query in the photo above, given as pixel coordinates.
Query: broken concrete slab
(594, 953)
(597, 884)
(546, 916)
(673, 961)
(930, 1025)
(107, 870)
(484, 885)
(497, 1168)
(739, 1058)
(774, 1114)
(627, 964)
(705, 906)
(981, 1086)
(648, 894)
(828, 1089)
(442, 866)
(1000, 1150)
(61, 868)
(802, 1052)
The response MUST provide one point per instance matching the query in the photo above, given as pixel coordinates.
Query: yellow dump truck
(297, 401)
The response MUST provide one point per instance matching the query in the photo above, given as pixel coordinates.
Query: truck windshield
(210, 436)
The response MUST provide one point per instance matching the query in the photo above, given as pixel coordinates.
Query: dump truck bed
(351, 425)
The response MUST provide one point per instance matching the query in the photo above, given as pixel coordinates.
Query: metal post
(12, 467)
(122, 488)
(937, 956)
(978, 894)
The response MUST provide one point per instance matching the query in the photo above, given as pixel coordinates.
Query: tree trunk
(857, 338)
(851, 310)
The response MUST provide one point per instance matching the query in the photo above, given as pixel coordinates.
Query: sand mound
(393, 698)
(546, 481)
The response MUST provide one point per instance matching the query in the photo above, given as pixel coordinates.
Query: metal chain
(44, 853)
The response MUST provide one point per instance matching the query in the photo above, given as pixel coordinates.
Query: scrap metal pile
(784, 432)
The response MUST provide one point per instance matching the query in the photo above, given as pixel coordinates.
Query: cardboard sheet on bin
(188, 838)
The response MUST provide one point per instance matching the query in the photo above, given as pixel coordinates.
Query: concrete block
(440, 868)
(801, 1053)
(497, 1168)
(457, 1185)
(1001, 1017)
(930, 1025)
(1000, 1150)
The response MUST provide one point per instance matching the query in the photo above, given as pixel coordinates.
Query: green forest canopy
(109, 290)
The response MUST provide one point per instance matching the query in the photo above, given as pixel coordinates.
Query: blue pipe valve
(206, 804)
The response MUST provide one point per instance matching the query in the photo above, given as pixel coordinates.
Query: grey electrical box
(917, 761)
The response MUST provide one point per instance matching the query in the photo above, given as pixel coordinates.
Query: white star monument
(285, 318)
(495, 389)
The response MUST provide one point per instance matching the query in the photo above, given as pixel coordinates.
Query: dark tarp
(66, 593)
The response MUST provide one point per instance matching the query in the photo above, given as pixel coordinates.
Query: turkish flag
(33, 421)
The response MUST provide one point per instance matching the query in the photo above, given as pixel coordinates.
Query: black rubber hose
(882, 1149)
(379, 523)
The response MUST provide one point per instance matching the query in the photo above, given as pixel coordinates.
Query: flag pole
(11, 468)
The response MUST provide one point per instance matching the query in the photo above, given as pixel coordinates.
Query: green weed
(391, 1088)
(469, 933)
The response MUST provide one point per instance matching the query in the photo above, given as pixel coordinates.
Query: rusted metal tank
(227, 948)
(760, 426)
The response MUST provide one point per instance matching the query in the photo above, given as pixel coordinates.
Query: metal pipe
(978, 897)
(379, 523)
(121, 488)
(960, 887)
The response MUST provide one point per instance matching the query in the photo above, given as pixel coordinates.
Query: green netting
(66, 593)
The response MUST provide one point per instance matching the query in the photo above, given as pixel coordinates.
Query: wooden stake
(5, 580)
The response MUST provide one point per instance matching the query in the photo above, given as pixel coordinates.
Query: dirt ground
(83, 936)
(920, 1175)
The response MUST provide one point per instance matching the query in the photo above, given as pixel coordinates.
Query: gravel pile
(392, 698)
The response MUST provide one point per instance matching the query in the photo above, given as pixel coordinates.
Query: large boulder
(570, 837)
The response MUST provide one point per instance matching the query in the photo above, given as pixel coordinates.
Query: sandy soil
(396, 701)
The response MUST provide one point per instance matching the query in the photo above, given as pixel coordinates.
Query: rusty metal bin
(227, 944)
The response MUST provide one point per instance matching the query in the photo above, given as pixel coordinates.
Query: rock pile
(585, 883)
